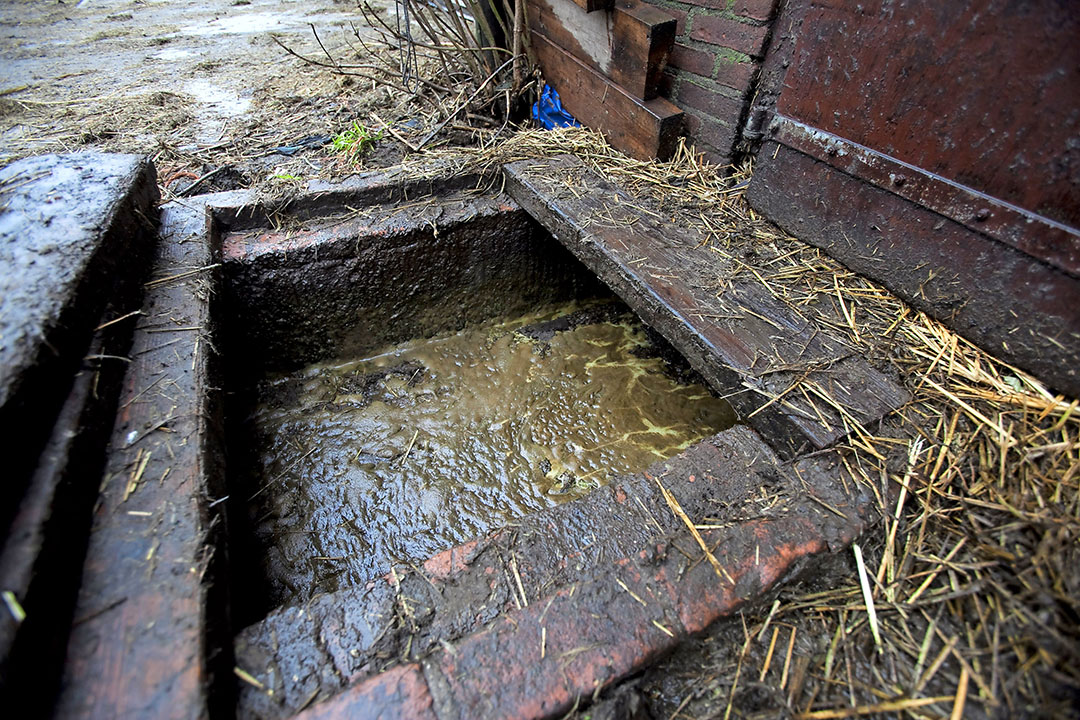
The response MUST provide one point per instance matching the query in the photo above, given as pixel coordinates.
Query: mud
(431, 443)
(201, 86)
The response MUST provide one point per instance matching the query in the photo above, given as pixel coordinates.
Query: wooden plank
(141, 636)
(977, 286)
(630, 45)
(643, 129)
(658, 42)
(747, 344)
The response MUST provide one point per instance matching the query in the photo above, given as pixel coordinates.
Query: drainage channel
(419, 459)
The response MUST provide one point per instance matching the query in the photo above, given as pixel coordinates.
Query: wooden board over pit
(800, 386)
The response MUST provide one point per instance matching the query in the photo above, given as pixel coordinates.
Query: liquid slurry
(434, 442)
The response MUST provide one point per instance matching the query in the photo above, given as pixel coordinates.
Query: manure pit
(421, 457)
(358, 465)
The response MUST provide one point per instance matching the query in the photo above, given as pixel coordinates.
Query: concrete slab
(75, 241)
(70, 226)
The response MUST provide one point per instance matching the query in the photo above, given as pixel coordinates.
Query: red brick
(452, 561)
(400, 692)
(710, 102)
(691, 60)
(720, 136)
(735, 75)
(755, 9)
(739, 36)
(680, 19)
(534, 662)
(754, 557)
(711, 133)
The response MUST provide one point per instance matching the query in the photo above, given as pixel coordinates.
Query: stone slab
(767, 527)
(557, 646)
(41, 555)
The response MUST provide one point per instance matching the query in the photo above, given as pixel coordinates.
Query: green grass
(356, 142)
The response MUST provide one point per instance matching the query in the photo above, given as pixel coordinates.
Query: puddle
(216, 99)
(171, 54)
(261, 22)
(434, 442)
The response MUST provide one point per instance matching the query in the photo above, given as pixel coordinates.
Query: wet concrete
(350, 282)
(67, 223)
(146, 639)
(431, 443)
(524, 620)
(389, 284)
(333, 286)
(53, 214)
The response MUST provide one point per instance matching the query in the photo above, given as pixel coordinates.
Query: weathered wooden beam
(643, 129)
(630, 45)
(747, 344)
(145, 617)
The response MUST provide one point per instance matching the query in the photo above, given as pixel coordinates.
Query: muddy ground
(202, 87)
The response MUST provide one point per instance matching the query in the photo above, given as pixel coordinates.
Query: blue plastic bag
(549, 113)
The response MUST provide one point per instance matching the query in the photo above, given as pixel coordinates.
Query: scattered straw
(681, 514)
(974, 572)
(868, 595)
(13, 606)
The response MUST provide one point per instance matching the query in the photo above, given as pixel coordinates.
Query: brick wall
(718, 51)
